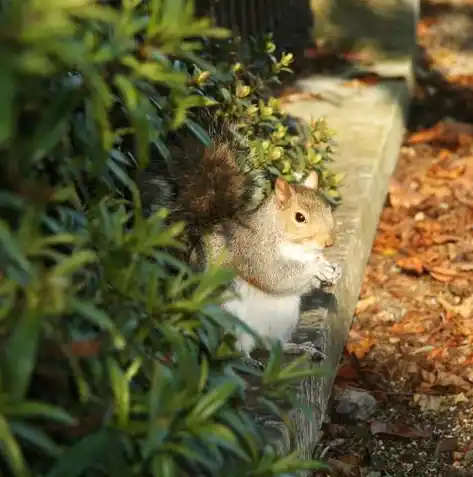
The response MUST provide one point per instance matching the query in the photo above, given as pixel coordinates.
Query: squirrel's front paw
(336, 273)
(327, 272)
(315, 283)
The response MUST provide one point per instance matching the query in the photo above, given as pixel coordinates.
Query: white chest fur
(272, 317)
(297, 253)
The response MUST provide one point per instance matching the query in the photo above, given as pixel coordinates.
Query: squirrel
(272, 241)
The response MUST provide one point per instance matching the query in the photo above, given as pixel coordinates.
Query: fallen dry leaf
(335, 431)
(445, 133)
(428, 402)
(443, 274)
(441, 239)
(410, 264)
(439, 171)
(361, 347)
(429, 378)
(341, 469)
(449, 444)
(347, 371)
(402, 196)
(464, 266)
(446, 380)
(426, 135)
(386, 244)
(407, 327)
(399, 430)
(441, 278)
(458, 455)
(424, 25)
(462, 197)
(445, 271)
(464, 80)
(365, 304)
(351, 459)
(465, 309)
(387, 252)
(460, 397)
(85, 348)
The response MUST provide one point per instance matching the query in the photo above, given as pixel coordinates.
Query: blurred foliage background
(114, 354)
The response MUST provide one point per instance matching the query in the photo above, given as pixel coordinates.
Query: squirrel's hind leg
(253, 363)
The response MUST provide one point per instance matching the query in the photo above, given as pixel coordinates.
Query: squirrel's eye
(300, 217)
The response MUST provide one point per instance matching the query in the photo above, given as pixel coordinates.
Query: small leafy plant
(281, 146)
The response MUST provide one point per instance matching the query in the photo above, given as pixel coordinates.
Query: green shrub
(114, 360)
(242, 93)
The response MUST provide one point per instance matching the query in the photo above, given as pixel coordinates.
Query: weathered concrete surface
(369, 122)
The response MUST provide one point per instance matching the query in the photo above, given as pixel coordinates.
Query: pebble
(357, 404)
(460, 287)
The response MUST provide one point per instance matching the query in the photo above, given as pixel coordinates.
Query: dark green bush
(113, 356)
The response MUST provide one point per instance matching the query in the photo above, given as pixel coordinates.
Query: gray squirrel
(273, 242)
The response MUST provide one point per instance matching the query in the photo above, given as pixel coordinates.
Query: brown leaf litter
(411, 343)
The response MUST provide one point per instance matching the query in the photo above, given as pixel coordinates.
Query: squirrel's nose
(330, 240)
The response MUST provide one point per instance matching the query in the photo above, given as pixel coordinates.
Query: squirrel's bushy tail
(205, 186)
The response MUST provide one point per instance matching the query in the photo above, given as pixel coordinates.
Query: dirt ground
(411, 344)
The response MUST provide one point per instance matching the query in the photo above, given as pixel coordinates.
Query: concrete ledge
(369, 123)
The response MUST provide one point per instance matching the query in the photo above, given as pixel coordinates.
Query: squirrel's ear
(282, 190)
(312, 181)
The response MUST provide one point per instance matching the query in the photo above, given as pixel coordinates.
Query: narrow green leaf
(120, 173)
(81, 458)
(41, 243)
(293, 463)
(172, 14)
(199, 132)
(138, 107)
(31, 409)
(204, 373)
(162, 148)
(21, 352)
(11, 450)
(7, 98)
(211, 402)
(74, 262)
(121, 392)
(162, 465)
(273, 366)
(36, 437)
(98, 318)
(10, 246)
(52, 127)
